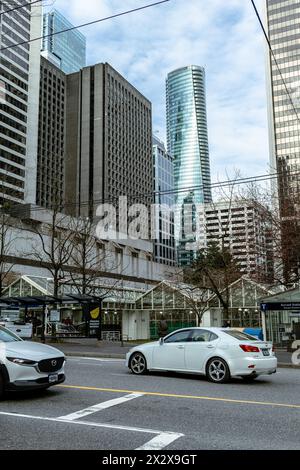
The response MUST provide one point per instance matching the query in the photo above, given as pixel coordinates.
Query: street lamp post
(99, 331)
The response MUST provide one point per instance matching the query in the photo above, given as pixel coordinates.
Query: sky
(222, 35)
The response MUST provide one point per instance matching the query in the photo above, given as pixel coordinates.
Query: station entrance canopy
(282, 317)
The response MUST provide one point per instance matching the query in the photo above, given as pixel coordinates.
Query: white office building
(244, 229)
(19, 81)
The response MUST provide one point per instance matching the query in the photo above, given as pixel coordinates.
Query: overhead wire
(174, 191)
(27, 4)
(147, 196)
(83, 25)
(275, 59)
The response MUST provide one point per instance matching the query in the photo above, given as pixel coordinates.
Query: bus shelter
(281, 317)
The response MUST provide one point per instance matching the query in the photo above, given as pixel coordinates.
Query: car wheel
(217, 370)
(138, 364)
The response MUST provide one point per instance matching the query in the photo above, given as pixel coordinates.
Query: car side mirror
(161, 341)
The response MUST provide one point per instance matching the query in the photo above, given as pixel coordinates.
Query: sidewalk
(89, 347)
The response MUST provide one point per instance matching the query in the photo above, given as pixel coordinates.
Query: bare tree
(89, 257)
(214, 270)
(55, 248)
(6, 241)
(6, 236)
(196, 299)
(282, 229)
(215, 267)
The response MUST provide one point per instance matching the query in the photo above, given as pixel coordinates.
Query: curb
(94, 355)
(288, 365)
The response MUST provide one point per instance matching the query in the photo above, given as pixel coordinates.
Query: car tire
(217, 370)
(138, 364)
(1, 386)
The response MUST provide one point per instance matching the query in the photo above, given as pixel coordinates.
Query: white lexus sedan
(218, 353)
(26, 365)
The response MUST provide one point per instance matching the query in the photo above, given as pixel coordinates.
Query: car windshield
(240, 335)
(7, 336)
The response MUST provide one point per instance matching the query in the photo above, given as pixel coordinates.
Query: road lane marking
(159, 442)
(100, 406)
(162, 438)
(191, 397)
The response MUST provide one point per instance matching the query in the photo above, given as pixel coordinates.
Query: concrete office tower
(245, 229)
(67, 50)
(108, 141)
(188, 140)
(51, 137)
(164, 197)
(283, 24)
(19, 77)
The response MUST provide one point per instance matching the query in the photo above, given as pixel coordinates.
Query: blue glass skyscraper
(66, 50)
(187, 132)
(188, 141)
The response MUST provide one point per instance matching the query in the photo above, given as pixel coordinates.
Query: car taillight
(248, 348)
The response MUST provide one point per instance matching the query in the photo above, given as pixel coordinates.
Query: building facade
(245, 230)
(108, 142)
(283, 66)
(188, 141)
(19, 75)
(283, 22)
(66, 50)
(187, 131)
(51, 137)
(164, 199)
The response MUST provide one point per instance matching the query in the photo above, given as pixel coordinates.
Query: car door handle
(210, 346)
(180, 347)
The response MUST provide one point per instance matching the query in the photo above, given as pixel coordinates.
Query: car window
(213, 336)
(203, 336)
(240, 335)
(179, 337)
(7, 336)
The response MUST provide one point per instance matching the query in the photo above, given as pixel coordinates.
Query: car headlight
(22, 362)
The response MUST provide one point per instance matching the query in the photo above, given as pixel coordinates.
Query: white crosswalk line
(99, 407)
(160, 441)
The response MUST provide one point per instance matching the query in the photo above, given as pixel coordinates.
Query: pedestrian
(163, 328)
(226, 324)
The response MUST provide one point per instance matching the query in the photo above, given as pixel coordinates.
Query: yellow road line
(171, 395)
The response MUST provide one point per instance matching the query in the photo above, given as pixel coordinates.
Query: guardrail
(111, 336)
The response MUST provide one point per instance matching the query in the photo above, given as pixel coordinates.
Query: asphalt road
(103, 406)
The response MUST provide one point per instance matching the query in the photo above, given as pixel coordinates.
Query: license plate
(53, 378)
(265, 352)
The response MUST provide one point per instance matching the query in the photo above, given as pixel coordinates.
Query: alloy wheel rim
(138, 364)
(217, 370)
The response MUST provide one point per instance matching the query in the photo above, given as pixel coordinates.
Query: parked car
(25, 365)
(218, 353)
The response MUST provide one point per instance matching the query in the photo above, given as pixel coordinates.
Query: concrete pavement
(104, 406)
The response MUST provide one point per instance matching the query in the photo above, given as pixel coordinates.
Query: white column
(33, 106)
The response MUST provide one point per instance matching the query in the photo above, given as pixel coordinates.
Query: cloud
(222, 36)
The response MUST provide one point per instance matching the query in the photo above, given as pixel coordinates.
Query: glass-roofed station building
(135, 314)
(31, 297)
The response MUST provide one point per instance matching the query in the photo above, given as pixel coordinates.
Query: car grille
(51, 365)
